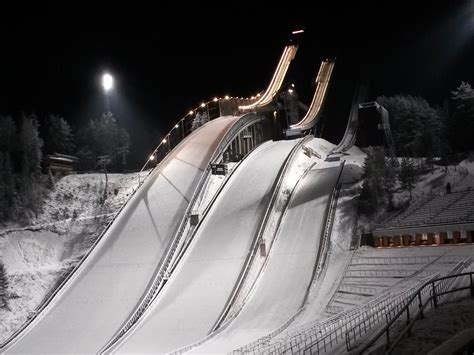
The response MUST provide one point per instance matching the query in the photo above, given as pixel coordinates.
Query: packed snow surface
(197, 291)
(282, 287)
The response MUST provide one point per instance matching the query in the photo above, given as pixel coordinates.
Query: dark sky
(167, 59)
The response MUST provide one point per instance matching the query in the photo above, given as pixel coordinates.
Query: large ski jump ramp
(103, 292)
(197, 291)
(282, 287)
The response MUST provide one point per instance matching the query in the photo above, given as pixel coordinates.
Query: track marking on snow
(174, 187)
(188, 163)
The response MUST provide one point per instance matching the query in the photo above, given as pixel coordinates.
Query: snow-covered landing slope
(104, 291)
(283, 285)
(197, 291)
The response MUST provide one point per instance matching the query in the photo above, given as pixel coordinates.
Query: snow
(460, 177)
(439, 326)
(339, 255)
(281, 289)
(197, 291)
(36, 256)
(294, 171)
(321, 146)
(213, 184)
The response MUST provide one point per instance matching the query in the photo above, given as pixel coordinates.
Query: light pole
(107, 85)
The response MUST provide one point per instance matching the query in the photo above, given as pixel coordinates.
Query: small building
(60, 164)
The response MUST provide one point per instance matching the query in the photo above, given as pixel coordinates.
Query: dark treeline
(441, 134)
(24, 142)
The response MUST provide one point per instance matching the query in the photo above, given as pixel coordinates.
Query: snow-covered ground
(460, 177)
(438, 326)
(35, 257)
(196, 293)
(295, 170)
(281, 288)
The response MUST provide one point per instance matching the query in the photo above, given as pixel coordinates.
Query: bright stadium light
(203, 105)
(152, 157)
(191, 112)
(107, 82)
(176, 126)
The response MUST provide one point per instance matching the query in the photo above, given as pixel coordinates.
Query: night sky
(168, 59)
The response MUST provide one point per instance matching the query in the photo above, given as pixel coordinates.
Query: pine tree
(7, 187)
(58, 136)
(406, 175)
(7, 179)
(416, 127)
(3, 286)
(372, 196)
(102, 137)
(379, 176)
(462, 120)
(389, 179)
(30, 147)
(199, 120)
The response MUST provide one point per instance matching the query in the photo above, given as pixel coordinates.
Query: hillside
(35, 257)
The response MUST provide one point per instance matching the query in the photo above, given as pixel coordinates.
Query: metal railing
(182, 248)
(355, 333)
(429, 293)
(328, 224)
(263, 225)
(217, 328)
(322, 337)
(263, 343)
(393, 260)
(258, 344)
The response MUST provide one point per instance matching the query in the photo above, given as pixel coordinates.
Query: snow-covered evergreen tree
(30, 147)
(7, 182)
(417, 128)
(102, 136)
(31, 155)
(379, 176)
(407, 175)
(200, 119)
(461, 122)
(58, 137)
